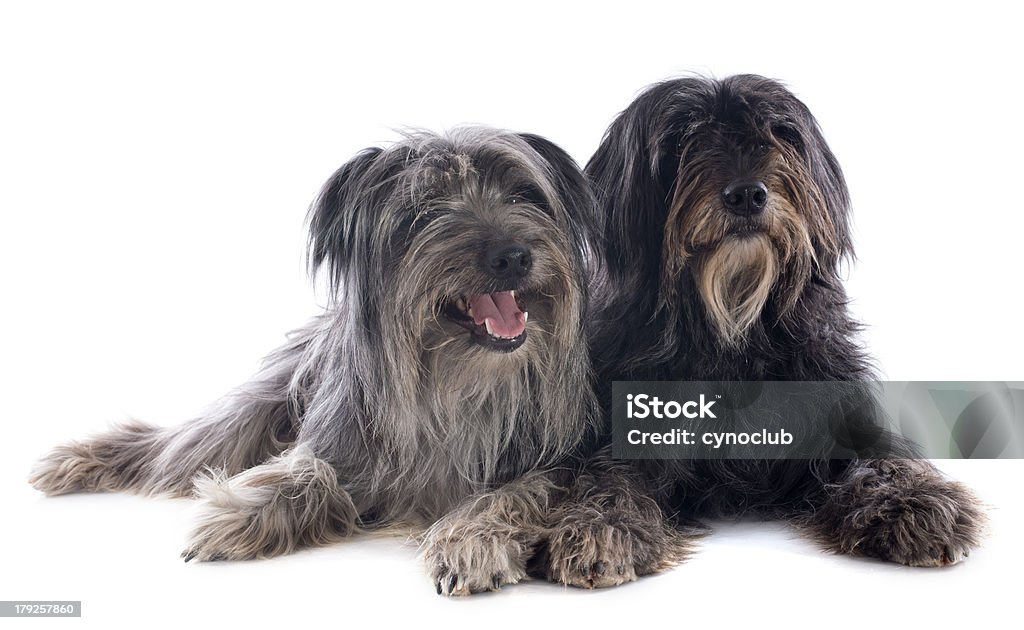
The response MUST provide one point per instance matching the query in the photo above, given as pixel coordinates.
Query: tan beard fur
(735, 281)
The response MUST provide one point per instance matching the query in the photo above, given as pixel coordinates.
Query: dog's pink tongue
(505, 318)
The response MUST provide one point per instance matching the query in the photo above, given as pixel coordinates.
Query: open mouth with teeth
(496, 321)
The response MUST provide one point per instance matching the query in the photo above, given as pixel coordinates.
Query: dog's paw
(594, 551)
(901, 511)
(931, 526)
(237, 521)
(591, 555)
(286, 503)
(224, 536)
(461, 561)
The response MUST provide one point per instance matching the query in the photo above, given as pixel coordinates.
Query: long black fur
(657, 176)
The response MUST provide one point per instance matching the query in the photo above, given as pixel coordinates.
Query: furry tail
(243, 430)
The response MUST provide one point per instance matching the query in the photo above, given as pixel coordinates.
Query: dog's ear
(333, 217)
(823, 169)
(572, 187)
(828, 176)
(566, 174)
(632, 174)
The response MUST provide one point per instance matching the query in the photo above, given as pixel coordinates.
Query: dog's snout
(745, 197)
(507, 261)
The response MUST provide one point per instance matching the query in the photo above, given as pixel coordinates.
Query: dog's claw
(188, 555)
(599, 568)
(463, 558)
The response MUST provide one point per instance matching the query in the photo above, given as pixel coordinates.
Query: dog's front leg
(487, 541)
(609, 530)
(291, 501)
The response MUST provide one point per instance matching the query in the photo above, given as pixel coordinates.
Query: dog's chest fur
(412, 454)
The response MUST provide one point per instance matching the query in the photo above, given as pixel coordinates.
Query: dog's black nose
(508, 260)
(745, 197)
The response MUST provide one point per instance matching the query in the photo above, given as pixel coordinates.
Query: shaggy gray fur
(399, 415)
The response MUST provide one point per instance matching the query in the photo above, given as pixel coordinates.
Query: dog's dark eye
(420, 218)
(527, 195)
(686, 141)
(789, 136)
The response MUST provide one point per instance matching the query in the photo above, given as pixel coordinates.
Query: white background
(155, 169)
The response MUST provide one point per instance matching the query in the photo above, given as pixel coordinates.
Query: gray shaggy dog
(727, 216)
(439, 392)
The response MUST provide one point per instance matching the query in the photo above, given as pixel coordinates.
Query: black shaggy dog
(727, 218)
